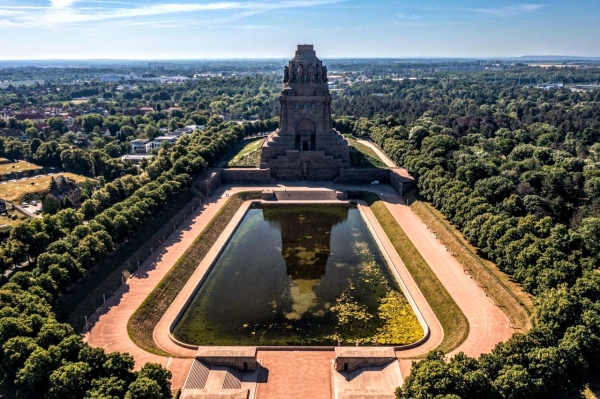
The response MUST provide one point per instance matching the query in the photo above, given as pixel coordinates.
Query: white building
(141, 146)
(112, 77)
(161, 139)
(136, 158)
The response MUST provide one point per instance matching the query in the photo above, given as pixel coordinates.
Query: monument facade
(305, 146)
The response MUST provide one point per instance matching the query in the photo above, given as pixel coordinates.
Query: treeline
(248, 97)
(473, 105)
(530, 205)
(44, 358)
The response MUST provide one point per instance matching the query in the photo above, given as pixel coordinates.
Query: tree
(33, 378)
(112, 150)
(50, 205)
(495, 188)
(106, 388)
(417, 135)
(91, 121)
(14, 150)
(34, 145)
(48, 154)
(57, 123)
(69, 381)
(145, 388)
(90, 208)
(159, 375)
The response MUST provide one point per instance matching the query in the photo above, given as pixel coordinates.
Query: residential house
(32, 116)
(82, 143)
(144, 110)
(66, 188)
(140, 146)
(136, 158)
(161, 139)
(14, 133)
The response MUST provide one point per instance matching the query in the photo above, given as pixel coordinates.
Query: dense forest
(516, 169)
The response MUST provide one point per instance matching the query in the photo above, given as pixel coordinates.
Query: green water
(295, 275)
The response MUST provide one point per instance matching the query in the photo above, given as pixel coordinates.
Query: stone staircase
(197, 376)
(233, 379)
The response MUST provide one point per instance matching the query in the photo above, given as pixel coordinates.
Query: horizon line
(424, 57)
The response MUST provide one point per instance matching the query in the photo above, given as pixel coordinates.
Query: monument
(305, 146)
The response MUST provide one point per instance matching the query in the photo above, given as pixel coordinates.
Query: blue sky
(166, 29)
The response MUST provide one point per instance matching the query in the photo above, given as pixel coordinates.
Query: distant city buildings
(133, 77)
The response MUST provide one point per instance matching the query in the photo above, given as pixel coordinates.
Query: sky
(209, 29)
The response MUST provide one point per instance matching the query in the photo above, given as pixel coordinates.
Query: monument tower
(305, 146)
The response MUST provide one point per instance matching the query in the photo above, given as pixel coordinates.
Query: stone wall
(362, 176)
(350, 359)
(305, 165)
(239, 357)
(401, 183)
(208, 182)
(246, 176)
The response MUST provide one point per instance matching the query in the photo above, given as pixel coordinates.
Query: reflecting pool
(299, 275)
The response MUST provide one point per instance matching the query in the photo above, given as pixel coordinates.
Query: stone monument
(305, 146)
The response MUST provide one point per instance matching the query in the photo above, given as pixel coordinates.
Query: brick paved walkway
(108, 326)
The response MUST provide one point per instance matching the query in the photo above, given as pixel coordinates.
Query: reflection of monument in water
(305, 247)
(305, 147)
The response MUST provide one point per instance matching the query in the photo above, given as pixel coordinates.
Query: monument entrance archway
(306, 137)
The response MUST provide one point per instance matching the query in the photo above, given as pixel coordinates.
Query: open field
(362, 156)
(7, 167)
(509, 296)
(9, 222)
(248, 155)
(87, 296)
(141, 325)
(14, 191)
(452, 319)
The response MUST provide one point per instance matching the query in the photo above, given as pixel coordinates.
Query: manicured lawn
(453, 321)
(509, 296)
(362, 156)
(141, 325)
(248, 155)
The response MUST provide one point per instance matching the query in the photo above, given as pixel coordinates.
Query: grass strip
(248, 155)
(362, 156)
(452, 319)
(141, 325)
(87, 296)
(507, 294)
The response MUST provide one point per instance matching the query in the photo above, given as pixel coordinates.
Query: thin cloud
(65, 12)
(401, 15)
(509, 11)
(255, 27)
(61, 3)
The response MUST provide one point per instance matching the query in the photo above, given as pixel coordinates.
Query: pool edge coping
(231, 229)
